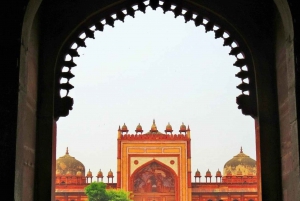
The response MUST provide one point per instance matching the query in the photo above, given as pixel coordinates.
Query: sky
(155, 66)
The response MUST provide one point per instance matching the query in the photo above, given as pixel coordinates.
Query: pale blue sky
(155, 67)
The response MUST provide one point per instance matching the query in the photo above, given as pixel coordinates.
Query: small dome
(69, 164)
(57, 173)
(218, 173)
(78, 173)
(89, 174)
(124, 128)
(110, 174)
(139, 128)
(100, 174)
(169, 128)
(182, 128)
(153, 127)
(241, 164)
(208, 173)
(197, 173)
(69, 173)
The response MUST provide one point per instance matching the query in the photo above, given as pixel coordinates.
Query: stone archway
(265, 57)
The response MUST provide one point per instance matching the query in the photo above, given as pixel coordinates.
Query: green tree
(96, 191)
(118, 195)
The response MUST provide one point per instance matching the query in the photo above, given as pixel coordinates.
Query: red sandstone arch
(40, 128)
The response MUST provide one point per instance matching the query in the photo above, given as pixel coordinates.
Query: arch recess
(199, 15)
(167, 178)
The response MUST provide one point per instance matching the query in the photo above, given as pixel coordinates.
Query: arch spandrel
(170, 161)
(201, 16)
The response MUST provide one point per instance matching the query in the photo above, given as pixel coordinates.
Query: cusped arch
(199, 15)
(154, 176)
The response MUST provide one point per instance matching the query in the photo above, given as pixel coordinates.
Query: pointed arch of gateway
(265, 27)
(154, 180)
(201, 16)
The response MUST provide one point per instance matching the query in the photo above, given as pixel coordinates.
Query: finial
(188, 129)
(119, 128)
(153, 127)
(241, 150)
(67, 152)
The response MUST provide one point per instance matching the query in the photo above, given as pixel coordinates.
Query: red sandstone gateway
(156, 166)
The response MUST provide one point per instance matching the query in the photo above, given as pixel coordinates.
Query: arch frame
(46, 106)
(246, 102)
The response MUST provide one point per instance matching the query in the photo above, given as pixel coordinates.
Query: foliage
(118, 195)
(97, 191)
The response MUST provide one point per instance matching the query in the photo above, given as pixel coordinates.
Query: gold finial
(153, 127)
(241, 150)
(67, 152)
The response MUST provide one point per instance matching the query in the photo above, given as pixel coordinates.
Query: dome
(197, 174)
(139, 128)
(58, 173)
(124, 128)
(169, 128)
(208, 173)
(69, 173)
(182, 128)
(78, 173)
(89, 174)
(68, 165)
(240, 164)
(218, 173)
(100, 174)
(110, 174)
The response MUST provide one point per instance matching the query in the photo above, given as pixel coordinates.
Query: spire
(119, 128)
(241, 150)
(67, 151)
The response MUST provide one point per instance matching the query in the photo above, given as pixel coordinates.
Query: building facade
(156, 166)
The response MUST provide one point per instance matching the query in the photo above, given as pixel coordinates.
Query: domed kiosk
(69, 164)
(241, 164)
(69, 170)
